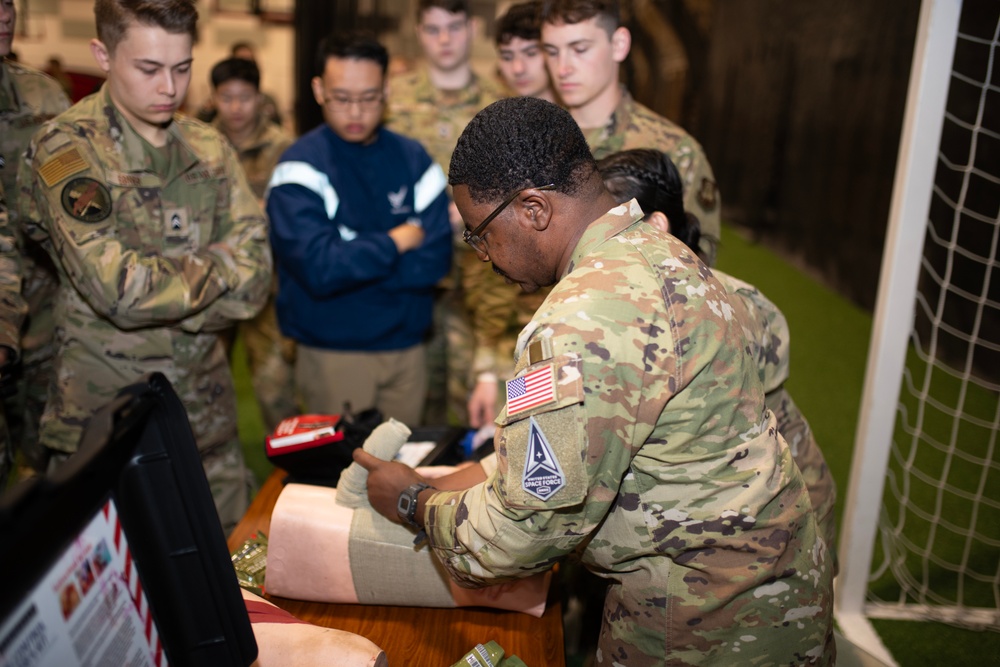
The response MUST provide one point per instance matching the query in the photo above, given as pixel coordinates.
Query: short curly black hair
(517, 143)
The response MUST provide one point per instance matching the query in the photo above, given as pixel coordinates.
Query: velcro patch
(539, 350)
(708, 194)
(62, 166)
(531, 390)
(543, 475)
(177, 222)
(86, 200)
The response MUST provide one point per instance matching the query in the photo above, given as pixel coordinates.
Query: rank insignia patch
(177, 222)
(543, 475)
(86, 200)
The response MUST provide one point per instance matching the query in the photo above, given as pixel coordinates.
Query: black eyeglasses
(343, 103)
(474, 239)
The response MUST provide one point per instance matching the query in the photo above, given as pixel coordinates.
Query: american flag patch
(530, 390)
(62, 166)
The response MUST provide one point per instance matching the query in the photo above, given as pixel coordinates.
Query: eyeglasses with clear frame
(475, 239)
(343, 103)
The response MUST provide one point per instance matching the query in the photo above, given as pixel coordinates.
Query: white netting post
(928, 89)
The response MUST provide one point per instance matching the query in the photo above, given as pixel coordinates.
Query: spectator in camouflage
(157, 238)
(521, 61)
(259, 144)
(268, 106)
(584, 44)
(12, 311)
(28, 98)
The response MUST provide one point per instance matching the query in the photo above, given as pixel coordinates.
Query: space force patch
(543, 475)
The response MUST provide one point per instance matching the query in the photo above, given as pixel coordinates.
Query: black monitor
(118, 557)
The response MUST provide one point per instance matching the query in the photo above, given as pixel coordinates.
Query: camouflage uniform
(260, 152)
(12, 311)
(648, 448)
(769, 336)
(270, 355)
(28, 98)
(132, 230)
(633, 125)
(269, 109)
(499, 312)
(436, 118)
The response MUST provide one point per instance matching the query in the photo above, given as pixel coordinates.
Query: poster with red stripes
(89, 608)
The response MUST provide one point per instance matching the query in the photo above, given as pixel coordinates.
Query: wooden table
(418, 636)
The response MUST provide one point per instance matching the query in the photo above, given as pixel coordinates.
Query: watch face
(404, 504)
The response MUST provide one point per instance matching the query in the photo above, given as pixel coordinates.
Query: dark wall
(801, 109)
(314, 20)
(959, 283)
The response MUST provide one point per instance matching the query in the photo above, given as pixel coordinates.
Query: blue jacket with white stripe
(342, 285)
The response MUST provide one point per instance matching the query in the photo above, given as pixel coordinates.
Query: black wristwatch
(406, 506)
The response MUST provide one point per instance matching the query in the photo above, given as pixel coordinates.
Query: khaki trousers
(395, 381)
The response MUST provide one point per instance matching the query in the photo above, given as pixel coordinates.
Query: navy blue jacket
(342, 285)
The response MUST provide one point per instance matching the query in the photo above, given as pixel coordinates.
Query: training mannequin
(329, 545)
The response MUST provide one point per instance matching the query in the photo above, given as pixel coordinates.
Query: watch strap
(410, 493)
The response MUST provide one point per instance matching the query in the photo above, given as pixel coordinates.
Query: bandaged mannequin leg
(321, 551)
(286, 641)
(383, 443)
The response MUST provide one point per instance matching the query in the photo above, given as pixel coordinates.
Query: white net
(938, 554)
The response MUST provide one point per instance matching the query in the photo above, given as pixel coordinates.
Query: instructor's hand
(386, 480)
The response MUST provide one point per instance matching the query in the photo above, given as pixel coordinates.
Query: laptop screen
(118, 557)
(89, 608)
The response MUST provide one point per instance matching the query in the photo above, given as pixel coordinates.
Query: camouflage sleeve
(12, 305)
(771, 333)
(808, 456)
(245, 257)
(128, 286)
(400, 96)
(556, 478)
(492, 304)
(701, 196)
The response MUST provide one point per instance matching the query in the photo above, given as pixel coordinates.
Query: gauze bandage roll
(383, 443)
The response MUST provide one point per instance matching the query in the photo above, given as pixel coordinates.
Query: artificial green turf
(829, 348)
(250, 424)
